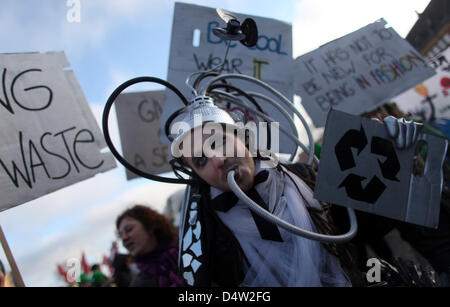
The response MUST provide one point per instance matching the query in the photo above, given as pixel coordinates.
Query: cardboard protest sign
(270, 60)
(361, 168)
(49, 136)
(430, 99)
(139, 120)
(357, 72)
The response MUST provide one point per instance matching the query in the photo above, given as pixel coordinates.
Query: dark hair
(120, 262)
(95, 267)
(152, 221)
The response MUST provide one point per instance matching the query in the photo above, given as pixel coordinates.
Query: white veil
(296, 261)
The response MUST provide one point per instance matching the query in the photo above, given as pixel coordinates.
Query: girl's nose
(123, 236)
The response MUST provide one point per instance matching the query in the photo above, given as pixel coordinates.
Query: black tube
(107, 136)
(204, 75)
(170, 120)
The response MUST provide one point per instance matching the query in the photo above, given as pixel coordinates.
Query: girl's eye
(128, 229)
(200, 162)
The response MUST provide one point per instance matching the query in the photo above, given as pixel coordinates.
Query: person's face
(135, 238)
(227, 151)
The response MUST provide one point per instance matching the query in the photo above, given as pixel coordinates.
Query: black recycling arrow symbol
(369, 194)
(391, 166)
(352, 138)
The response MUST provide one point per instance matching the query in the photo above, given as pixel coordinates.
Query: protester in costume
(242, 248)
(152, 241)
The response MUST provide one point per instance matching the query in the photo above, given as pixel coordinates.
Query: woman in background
(152, 241)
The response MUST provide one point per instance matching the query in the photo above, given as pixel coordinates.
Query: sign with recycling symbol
(353, 182)
(361, 168)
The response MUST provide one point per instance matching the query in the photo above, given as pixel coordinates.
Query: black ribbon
(227, 200)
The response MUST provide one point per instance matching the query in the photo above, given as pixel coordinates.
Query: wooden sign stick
(12, 263)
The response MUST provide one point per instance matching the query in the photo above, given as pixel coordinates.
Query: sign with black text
(194, 48)
(49, 136)
(358, 72)
(139, 120)
(361, 168)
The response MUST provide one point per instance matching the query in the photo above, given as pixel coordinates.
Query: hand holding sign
(392, 190)
(404, 132)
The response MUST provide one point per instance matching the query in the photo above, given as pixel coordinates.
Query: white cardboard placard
(270, 60)
(430, 99)
(361, 168)
(357, 72)
(49, 136)
(139, 120)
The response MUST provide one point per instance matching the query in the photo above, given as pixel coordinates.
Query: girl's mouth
(235, 168)
(129, 246)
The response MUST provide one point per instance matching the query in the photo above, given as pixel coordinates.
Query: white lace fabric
(295, 262)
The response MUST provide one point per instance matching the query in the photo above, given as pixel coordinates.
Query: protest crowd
(365, 203)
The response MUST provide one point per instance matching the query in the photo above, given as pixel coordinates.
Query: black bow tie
(228, 200)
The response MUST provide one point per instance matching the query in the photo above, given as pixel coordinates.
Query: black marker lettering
(67, 147)
(55, 155)
(91, 139)
(32, 149)
(16, 170)
(29, 89)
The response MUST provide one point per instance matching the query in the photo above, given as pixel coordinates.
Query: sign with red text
(430, 99)
(139, 120)
(194, 48)
(49, 136)
(358, 72)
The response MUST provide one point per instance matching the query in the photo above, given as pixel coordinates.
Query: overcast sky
(114, 41)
